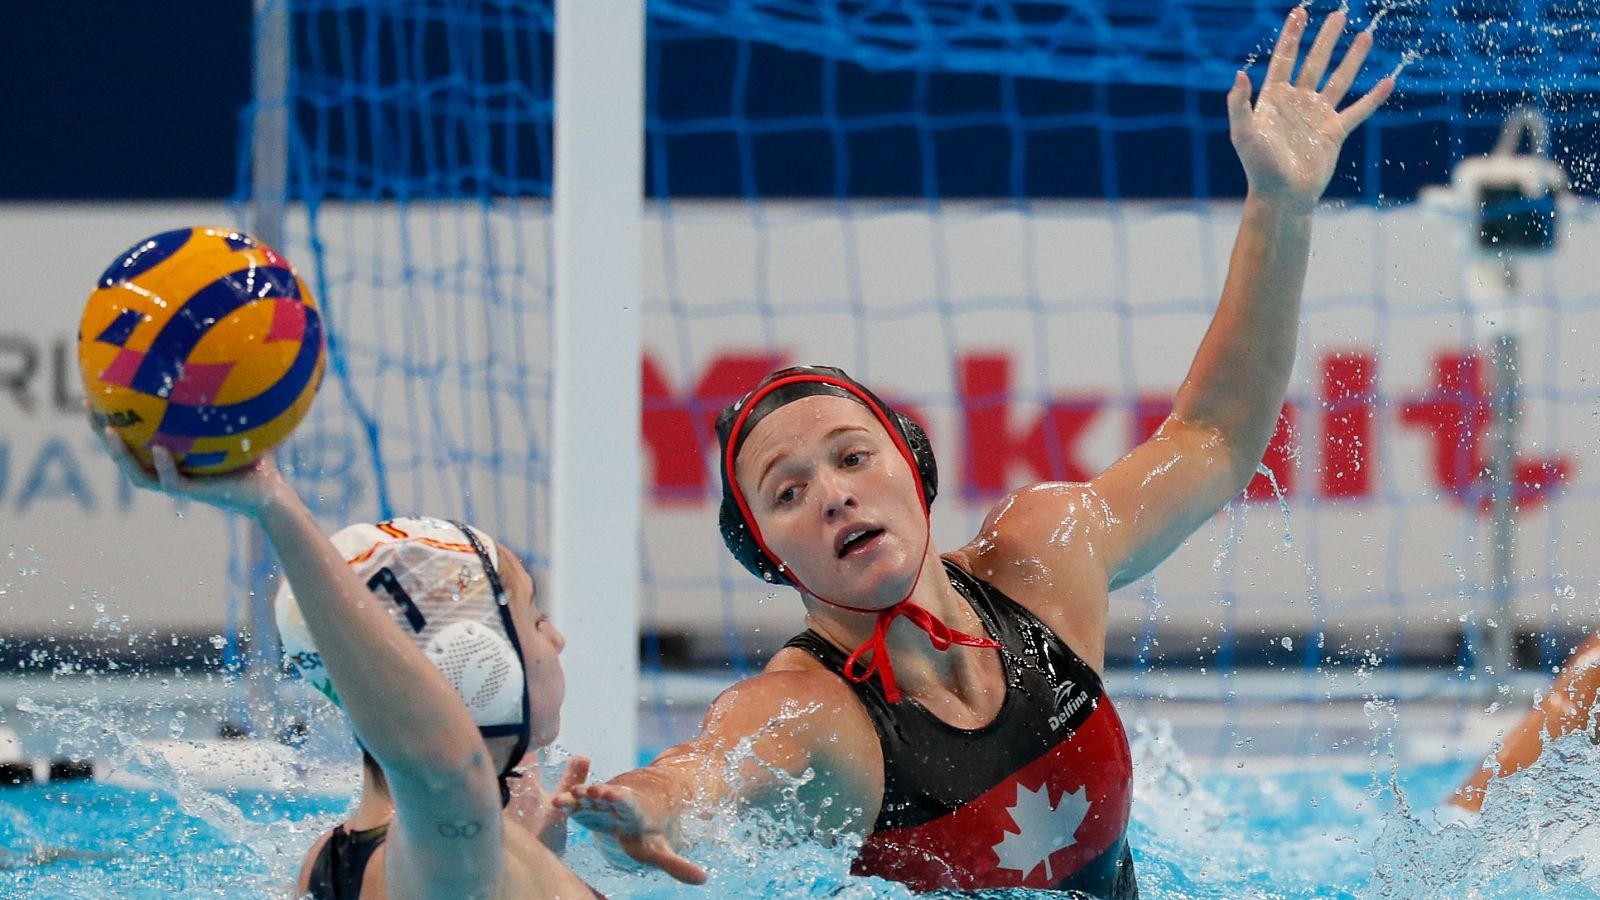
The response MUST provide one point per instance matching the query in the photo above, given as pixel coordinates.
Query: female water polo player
(949, 708)
(447, 680)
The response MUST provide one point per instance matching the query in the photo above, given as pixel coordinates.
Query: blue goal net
(1012, 219)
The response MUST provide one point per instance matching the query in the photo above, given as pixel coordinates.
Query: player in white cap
(447, 679)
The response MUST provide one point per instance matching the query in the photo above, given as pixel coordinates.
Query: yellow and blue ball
(203, 341)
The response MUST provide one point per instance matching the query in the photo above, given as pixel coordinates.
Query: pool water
(1314, 832)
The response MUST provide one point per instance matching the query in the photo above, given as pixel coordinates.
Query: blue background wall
(142, 99)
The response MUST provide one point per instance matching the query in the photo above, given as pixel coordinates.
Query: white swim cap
(442, 593)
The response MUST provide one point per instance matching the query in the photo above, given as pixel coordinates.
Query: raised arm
(447, 830)
(1227, 408)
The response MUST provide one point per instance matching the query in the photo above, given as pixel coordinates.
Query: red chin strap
(873, 656)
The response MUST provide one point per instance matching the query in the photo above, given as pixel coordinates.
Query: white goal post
(595, 450)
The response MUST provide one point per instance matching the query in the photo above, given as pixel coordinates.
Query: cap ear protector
(779, 389)
(460, 619)
(522, 730)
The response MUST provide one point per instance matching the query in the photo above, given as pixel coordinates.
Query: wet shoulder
(1041, 546)
(794, 679)
(1037, 535)
(807, 706)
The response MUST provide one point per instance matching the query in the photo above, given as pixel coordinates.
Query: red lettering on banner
(679, 429)
(1049, 448)
(1349, 398)
(1537, 479)
(1455, 412)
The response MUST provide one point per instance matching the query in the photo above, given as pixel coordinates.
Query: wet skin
(448, 835)
(835, 501)
(1059, 549)
(542, 644)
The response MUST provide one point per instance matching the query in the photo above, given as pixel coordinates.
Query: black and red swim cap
(775, 391)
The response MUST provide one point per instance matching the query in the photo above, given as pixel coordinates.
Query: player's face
(835, 500)
(541, 650)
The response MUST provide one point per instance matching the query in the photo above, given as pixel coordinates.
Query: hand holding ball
(203, 341)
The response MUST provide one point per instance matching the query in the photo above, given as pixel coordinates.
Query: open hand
(532, 805)
(623, 822)
(1289, 140)
(246, 490)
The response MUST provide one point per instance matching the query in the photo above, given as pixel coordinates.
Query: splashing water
(1537, 836)
(1324, 829)
(1235, 513)
(1407, 57)
(1283, 502)
(76, 839)
(1377, 17)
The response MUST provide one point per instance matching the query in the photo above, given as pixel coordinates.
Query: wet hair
(780, 388)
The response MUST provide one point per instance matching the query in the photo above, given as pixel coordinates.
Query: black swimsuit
(1038, 798)
(338, 869)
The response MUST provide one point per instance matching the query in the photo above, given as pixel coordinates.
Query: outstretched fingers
(1239, 103)
(118, 449)
(678, 867)
(1316, 63)
(575, 774)
(1289, 137)
(167, 470)
(1288, 47)
(1358, 111)
(1345, 75)
(608, 810)
(600, 807)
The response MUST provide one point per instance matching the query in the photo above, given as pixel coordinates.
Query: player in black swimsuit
(952, 797)
(827, 489)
